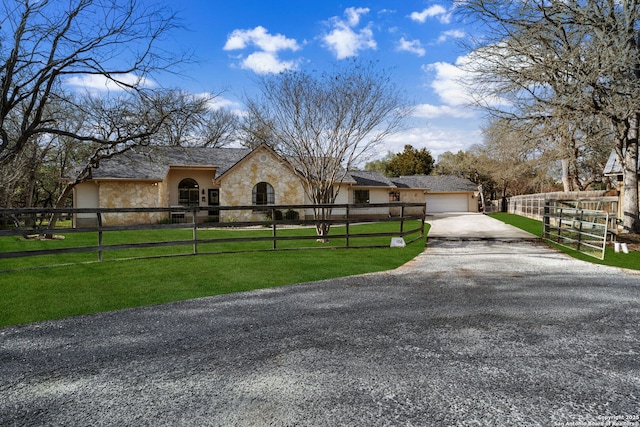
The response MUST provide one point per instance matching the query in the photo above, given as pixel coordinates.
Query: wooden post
(195, 230)
(347, 227)
(99, 216)
(274, 229)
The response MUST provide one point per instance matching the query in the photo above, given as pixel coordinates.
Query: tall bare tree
(46, 44)
(195, 122)
(566, 58)
(326, 121)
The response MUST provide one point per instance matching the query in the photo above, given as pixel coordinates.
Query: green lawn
(611, 258)
(57, 292)
(90, 239)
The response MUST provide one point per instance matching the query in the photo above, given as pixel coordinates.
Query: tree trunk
(322, 227)
(566, 179)
(631, 222)
(53, 219)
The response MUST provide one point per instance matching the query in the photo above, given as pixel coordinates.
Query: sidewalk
(472, 226)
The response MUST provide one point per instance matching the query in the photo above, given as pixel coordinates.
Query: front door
(214, 200)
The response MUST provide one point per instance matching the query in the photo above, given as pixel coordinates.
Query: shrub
(278, 215)
(291, 215)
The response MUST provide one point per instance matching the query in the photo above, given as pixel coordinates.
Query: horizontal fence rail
(184, 227)
(580, 229)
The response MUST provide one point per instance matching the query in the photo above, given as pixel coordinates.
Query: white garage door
(447, 203)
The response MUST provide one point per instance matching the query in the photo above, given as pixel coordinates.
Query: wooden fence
(37, 223)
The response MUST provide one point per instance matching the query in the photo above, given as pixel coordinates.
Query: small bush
(292, 215)
(278, 215)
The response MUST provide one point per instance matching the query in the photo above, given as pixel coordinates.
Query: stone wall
(116, 194)
(260, 166)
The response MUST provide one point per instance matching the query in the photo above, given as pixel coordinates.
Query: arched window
(188, 192)
(263, 194)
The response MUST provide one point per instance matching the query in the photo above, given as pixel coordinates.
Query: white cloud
(265, 60)
(260, 38)
(97, 83)
(429, 111)
(216, 102)
(434, 11)
(456, 92)
(343, 40)
(267, 63)
(413, 46)
(448, 83)
(353, 15)
(451, 34)
(436, 139)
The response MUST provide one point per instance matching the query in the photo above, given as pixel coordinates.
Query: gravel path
(469, 333)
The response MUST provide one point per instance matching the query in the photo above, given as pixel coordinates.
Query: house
(613, 169)
(180, 177)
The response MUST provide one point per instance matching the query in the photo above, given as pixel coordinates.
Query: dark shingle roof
(154, 163)
(436, 183)
(368, 179)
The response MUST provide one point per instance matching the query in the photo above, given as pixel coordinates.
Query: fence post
(346, 227)
(402, 220)
(545, 222)
(99, 217)
(580, 229)
(560, 225)
(195, 231)
(274, 228)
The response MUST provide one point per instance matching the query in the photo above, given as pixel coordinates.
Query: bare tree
(195, 122)
(566, 59)
(326, 121)
(218, 128)
(46, 44)
(113, 126)
(514, 159)
(255, 128)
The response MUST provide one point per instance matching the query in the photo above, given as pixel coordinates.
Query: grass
(90, 239)
(629, 261)
(57, 292)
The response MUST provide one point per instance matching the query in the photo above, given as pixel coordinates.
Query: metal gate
(580, 229)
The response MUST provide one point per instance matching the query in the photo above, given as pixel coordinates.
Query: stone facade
(114, 194)
(236, 186)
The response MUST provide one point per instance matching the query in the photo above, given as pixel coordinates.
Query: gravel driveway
(469, 333)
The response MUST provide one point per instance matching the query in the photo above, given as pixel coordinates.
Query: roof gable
(262, 150)
(613, 166)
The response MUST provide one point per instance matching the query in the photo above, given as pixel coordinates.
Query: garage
(447, 203)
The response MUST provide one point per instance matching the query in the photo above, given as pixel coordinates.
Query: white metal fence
(580, 229)
(532, 205)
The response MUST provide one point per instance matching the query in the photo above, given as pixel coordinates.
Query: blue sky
(236, 40)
